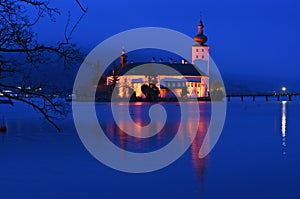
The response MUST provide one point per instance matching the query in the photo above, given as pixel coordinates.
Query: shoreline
(202, 99)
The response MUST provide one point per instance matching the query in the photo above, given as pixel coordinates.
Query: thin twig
(81, 7)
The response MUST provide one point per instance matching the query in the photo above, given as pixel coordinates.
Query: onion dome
(200, 38)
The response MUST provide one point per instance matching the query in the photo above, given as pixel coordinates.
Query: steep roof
(155, 69)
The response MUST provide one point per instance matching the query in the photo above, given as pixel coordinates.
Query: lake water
(257, 156)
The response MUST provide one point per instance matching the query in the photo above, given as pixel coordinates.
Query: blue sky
(250, 40)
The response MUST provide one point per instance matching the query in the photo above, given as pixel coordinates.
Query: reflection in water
(283, 127)
(200, 164)
(2, 135)
(161, 139)
(3, 132)
(140, 117)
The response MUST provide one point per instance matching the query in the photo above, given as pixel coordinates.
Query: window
(197, 56)
(202, 56)
(202, 50)
(197, 50)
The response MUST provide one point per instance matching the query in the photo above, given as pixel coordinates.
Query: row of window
(197, 50)
(173, 84)
(197, 57)
(182, 84)
(193, 84)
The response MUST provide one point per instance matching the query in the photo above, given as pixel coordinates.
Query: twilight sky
(250, 40)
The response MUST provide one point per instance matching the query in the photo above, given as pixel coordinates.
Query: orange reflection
(139, 116)
(200, 164)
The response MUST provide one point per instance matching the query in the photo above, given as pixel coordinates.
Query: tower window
(202, 56)
(197, 56)
(197, 50)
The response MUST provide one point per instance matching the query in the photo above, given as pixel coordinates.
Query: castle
(192, 82)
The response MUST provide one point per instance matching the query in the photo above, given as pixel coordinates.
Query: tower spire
(200, 38)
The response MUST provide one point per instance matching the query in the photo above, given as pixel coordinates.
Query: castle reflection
(139, 114)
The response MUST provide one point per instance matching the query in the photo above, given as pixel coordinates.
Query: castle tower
(200, 57)
(200, 51)
(123, 58)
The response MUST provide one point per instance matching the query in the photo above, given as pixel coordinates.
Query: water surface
(255, 157)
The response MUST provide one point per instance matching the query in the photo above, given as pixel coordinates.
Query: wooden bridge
(277, 96)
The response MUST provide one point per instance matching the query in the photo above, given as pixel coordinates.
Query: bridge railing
(278, 95)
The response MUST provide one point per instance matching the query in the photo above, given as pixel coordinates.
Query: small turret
(123, 58)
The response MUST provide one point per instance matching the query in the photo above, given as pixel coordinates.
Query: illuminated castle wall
(195, 85)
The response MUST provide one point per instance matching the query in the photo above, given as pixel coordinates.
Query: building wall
(200, 53)
(200, 57)
(130, 83)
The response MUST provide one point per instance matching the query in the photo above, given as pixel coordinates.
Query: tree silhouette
(21, 51)
(217, 91)
(115, 78)
(150, 91)
(184, 92)
(145, 89)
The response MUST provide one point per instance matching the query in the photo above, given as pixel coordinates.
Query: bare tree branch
(81, 7)
(21, 51)
(35, 106)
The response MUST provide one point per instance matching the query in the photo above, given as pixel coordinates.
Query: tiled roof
(156, 69)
